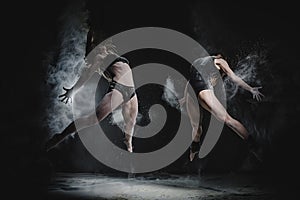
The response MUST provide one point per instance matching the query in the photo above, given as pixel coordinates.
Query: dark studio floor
(157, 186)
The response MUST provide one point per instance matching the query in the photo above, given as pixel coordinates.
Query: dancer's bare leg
(196, 123)
(210, 102)
(130, 111)
(109, 102)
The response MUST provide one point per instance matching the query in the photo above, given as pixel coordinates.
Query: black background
(30, 30)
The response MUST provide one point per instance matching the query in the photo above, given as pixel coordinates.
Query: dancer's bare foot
(129, 146)
(192, 155)
(53, 141)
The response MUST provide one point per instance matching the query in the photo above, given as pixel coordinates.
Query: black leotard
(127, 91)
(202, 71)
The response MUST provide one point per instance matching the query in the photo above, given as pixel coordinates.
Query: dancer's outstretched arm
(225, 67)
(87, 73)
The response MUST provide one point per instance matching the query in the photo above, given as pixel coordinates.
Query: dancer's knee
(227, 119)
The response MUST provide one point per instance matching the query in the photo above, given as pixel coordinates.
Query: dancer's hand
(67, 95)
(256, 94)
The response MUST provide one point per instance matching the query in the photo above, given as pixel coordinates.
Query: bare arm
(225, 67)
(86, 75)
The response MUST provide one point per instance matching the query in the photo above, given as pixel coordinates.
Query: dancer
(121, 93)
(203, 85)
